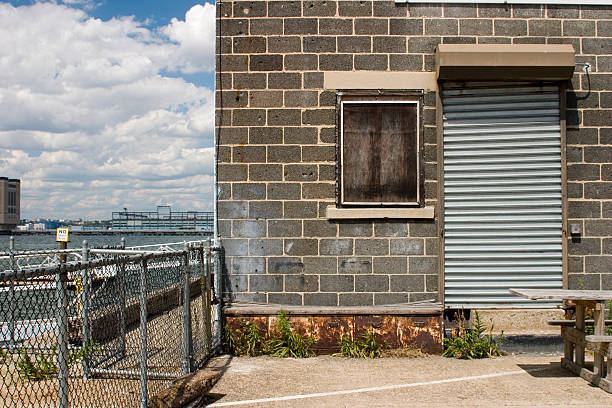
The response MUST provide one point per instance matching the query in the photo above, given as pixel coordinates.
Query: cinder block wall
(277, 139)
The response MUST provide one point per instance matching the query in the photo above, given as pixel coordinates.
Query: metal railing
(104, 327)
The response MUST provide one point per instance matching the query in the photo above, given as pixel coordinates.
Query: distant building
(10, 192)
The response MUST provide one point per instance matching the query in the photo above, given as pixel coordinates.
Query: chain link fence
(103, 327)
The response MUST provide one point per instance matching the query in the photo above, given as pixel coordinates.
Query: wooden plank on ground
(185, 389)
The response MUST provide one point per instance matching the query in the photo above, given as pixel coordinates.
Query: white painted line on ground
(371, 389)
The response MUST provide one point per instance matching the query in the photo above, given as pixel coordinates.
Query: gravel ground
(513, 380)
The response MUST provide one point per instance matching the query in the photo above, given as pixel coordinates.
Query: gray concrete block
(301, 135)
(584, 246)
(355, 299)
(285, 265)
(408, 283)
(265, 172)
(318, 265)
(390, 298)
(248, 265)
(293, 299)
(423, 229)
(265, 209)
(575, 264)
(431, 283)
(372, 246)
(233, 209)
(248, 191)
(320, 299)
(284, 191)
(284, 228)
(266, 134)
(598, 228)
(355, 8)
(432, 246)
(266, 247)
(301, 25)
(319, 8)
(301, 247)
(337, 283)
(335, 26)
(423, 265)
(248, 229)
(355, 265)
(371, 283)
(266, 283)
(300, 209)
(320, 228)
(584, 281)
(318, 190)
(235, 247)
(390, 228)
(597, 263)
(406, 246)
(390, 265)
(237, 283)
(302, 283)
(284, 8)
(441, 26)
(355, 228)
(342, 246)
(301, 172)
(584, 209)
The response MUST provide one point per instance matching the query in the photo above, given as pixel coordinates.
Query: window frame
(376, 97)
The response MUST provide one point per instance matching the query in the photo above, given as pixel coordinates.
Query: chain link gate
(103, 327)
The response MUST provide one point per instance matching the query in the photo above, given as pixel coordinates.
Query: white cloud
(88, 120)
(196, 39)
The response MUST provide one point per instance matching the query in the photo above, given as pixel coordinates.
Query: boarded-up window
(379, 152)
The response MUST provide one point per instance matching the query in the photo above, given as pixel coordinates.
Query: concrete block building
(376, 153)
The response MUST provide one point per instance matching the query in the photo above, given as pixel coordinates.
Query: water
(34, 241)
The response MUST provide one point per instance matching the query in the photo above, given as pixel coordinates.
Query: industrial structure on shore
(162, 219)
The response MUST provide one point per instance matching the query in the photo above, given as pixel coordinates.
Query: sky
(107, 104)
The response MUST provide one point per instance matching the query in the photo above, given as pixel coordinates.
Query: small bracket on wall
(575, 228)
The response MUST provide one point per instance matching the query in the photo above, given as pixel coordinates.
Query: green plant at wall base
(472, 343)
(366, 347)
(289, 344)
(248, 340)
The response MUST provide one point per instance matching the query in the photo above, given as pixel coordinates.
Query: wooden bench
(602, 347)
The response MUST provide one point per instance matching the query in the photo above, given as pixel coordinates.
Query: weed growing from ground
(289, 344)
(249, 341)
(366, 347)
(472, 342)
(38, 366)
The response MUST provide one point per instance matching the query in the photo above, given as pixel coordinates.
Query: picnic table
(573, 332)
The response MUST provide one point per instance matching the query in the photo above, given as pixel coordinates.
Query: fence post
(62, 338)
(205, 288)
(122, 297)
(12, 298)
(187, 339)
(218, 290)
(85, 281)
(143, 334)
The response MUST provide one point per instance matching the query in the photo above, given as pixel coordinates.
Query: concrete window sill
(334, 213)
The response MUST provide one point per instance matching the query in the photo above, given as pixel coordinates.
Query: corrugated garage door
(502, 193)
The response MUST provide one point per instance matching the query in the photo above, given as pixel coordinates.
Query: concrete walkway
(534, 380)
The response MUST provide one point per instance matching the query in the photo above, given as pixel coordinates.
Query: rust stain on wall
(394, 331)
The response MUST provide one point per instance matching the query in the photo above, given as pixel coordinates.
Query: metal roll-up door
(502, 193)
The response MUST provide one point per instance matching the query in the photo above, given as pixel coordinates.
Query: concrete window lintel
(334, 213)
(425, 81)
